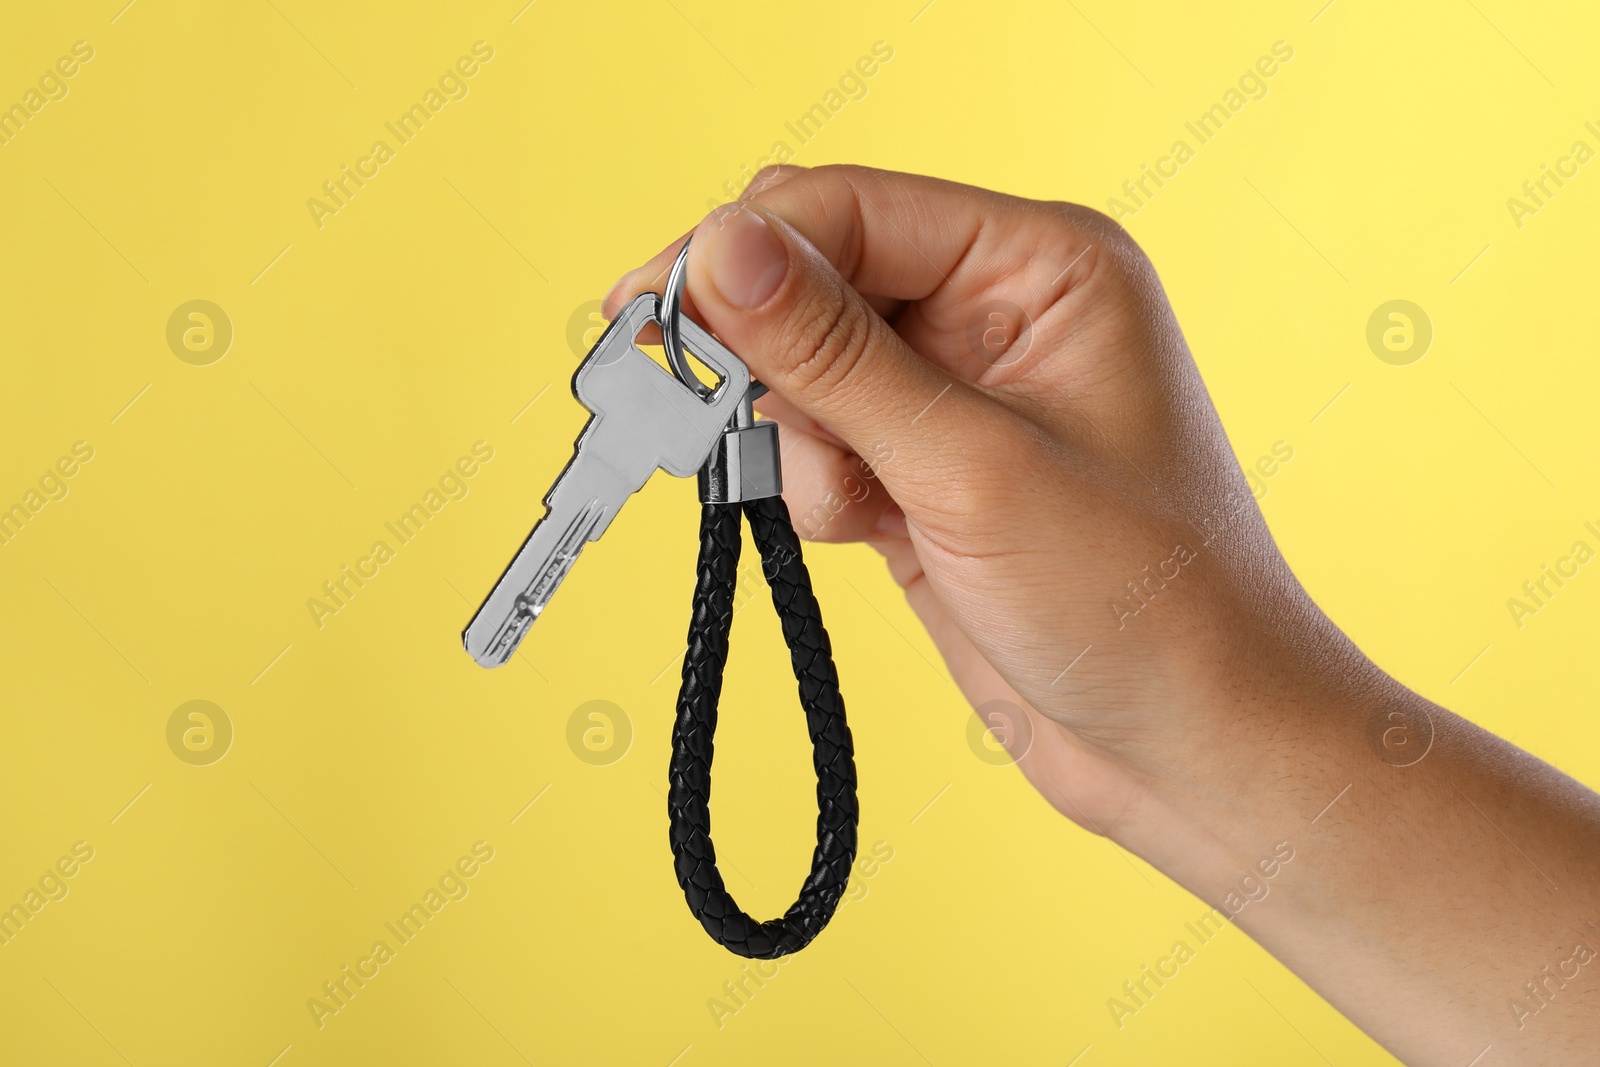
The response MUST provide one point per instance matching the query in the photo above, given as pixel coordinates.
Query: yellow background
(425, 316)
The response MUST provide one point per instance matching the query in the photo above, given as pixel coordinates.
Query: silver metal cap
(743, 466)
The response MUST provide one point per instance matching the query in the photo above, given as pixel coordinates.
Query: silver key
(642, 419)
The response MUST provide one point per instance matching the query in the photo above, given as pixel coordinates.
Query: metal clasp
(744, 464)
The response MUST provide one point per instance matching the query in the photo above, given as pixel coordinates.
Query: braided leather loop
(689, 795)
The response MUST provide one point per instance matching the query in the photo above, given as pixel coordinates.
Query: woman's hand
(993, 393)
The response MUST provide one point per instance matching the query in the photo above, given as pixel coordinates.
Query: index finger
(901, 237)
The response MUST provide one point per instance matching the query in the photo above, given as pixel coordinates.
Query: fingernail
(746, 259)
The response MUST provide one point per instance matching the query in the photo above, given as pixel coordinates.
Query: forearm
(1443, 892)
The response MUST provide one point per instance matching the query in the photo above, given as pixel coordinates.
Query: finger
(955, 268)
(770, 178)
(904, 236)
(651, 275)
(832, 495)
(790, 418)
(969, 277)
(883, 210)
(775, 299)
(891, 525)
(863, 221)
(649, 278)
(891, 520)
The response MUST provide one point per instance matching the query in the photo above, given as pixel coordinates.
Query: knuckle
(769, 173)
(769, 176)
(1111, 247)
(832, 186)
(1086, 221)
(786, 184)
(842, 173)
(830, 337)
(1109, 235)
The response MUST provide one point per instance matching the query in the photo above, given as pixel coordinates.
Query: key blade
(527, 585)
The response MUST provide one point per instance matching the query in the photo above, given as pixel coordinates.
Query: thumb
(777, 302)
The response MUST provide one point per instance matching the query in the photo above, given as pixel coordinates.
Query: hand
(994, 394)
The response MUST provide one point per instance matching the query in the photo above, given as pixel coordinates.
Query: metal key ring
(671, 334)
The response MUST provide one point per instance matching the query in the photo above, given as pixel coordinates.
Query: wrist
(1261, 753)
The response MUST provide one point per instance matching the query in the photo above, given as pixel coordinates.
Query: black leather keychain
(689, 799)
(643, 419)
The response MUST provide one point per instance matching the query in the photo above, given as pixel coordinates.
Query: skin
(1065, 514)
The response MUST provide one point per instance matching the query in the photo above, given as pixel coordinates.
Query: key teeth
(527, 604)
(497, 652)
(486, 658)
